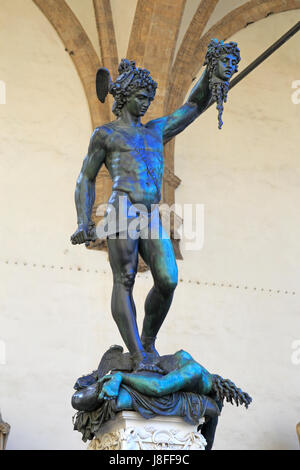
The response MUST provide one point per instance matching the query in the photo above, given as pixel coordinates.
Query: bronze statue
(141, 380)
(133, 155)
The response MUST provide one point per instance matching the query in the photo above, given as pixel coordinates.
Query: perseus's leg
(157, 251)
(123, 258)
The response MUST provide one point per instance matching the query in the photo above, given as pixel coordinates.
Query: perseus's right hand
(84, 234)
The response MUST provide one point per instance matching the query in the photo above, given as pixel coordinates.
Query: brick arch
(152, 43)
(187, 47)
(106, 35)
(81, 51)
(177, 77)
(230, 24)
(107, 43)
(87, 62)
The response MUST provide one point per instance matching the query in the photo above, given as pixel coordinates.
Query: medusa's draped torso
(134, 159)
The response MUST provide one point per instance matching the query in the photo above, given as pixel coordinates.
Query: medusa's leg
(124, 400)
(186, 378)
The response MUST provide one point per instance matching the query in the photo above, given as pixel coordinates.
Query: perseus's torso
(134, 159)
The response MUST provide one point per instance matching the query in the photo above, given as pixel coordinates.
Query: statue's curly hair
(225, 389)
(220, 89)
(218, 48)
(130, 79)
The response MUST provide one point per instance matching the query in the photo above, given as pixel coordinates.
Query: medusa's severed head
(130, 80)
(222, 62)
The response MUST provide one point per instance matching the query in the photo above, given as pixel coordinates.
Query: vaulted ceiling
(152, 42)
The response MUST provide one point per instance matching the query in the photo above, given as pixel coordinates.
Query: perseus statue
(133, 155)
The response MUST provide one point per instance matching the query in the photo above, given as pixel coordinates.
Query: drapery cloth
(190, 406)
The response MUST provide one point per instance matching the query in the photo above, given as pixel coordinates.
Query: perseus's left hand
(216, 79)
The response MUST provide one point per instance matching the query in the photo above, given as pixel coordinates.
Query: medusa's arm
(186, 378)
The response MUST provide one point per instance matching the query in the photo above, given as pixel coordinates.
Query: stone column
(130, 431)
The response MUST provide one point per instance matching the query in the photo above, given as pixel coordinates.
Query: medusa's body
(185, 375)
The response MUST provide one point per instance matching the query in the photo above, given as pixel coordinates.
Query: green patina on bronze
(142, 380)
(186, 389)
(133, 155)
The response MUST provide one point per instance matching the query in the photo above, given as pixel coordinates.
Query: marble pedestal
(130, 431)
(4, 432)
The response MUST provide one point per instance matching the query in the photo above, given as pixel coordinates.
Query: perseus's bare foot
(147, 363)
(110, 387)
(144, 367)
(152, 352)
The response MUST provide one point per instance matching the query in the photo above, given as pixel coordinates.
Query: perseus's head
(133, 87)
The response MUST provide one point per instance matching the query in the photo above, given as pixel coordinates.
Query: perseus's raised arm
(196, 103)
(85, 185)
(221, 62)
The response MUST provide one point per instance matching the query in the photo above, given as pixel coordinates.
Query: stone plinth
(130, 431)
(4, 432)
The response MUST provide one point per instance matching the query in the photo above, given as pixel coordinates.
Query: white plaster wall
(55, 298)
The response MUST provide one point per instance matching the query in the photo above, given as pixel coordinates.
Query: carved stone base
(4, 432)
(130, 431)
